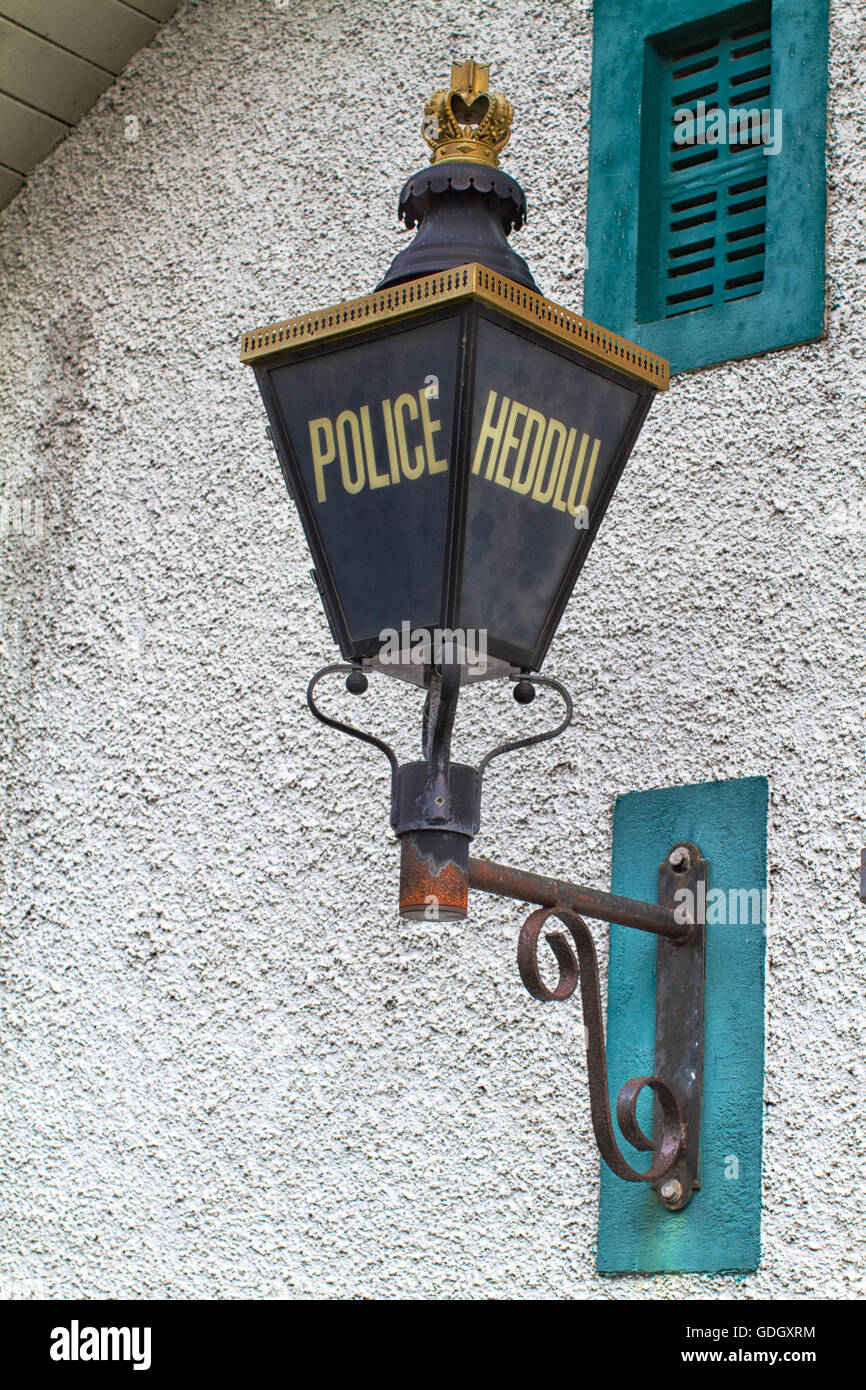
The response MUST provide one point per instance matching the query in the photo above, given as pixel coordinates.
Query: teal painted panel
(791, 305)
(719, 1231)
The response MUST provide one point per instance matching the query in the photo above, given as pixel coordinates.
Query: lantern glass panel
(546, 449)
(367, 432)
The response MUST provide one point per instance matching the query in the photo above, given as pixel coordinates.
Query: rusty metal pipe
(433, 875)
(506, 882)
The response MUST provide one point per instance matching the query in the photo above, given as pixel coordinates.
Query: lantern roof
(468, 282)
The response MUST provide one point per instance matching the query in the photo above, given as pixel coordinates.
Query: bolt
(679, 858)
(440, 800)
(671, 1190)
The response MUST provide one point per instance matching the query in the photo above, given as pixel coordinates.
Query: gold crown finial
(468, 122)
(470, 76)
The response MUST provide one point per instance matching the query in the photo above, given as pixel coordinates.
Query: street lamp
(451, 442)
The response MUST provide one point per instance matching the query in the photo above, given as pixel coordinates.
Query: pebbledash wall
(231, 1070)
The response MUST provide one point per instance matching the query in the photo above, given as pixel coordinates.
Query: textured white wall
(231, 1070)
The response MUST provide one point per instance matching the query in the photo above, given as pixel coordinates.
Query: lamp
(451, 442)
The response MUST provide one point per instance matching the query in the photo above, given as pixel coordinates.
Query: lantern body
(451, 445)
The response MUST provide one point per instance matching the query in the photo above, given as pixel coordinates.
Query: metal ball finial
(524, 692)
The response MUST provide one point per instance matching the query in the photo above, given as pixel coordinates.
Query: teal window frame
(791, 306)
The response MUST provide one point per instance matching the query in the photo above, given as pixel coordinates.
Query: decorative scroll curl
(529, 739)
(341, 724)
(583, 968)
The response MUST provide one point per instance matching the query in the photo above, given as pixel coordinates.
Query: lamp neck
(464, 212)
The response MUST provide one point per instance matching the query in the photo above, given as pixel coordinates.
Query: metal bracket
(679, 1052)
(435, 811)
(678, 921)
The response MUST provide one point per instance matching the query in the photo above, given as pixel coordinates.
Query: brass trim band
(571, 328)
(466, 282)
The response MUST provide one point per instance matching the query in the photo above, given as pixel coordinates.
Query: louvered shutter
(712, 197)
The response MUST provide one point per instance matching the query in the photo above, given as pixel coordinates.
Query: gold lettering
(393, 462)
(434, 465)
(558, 501)
(490, 434)
(542, 492)
(573, 506)
(590, 473)
(351, 484)
(324, 451)
(404, 403)
(376, 479)
(575, 477)
(509, 442)
(534, 420)
(554, 461)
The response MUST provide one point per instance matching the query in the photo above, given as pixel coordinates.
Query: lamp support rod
(506, 882)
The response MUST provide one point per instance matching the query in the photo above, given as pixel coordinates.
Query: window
(706, 209)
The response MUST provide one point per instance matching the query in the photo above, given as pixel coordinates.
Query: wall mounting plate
(719, 1230)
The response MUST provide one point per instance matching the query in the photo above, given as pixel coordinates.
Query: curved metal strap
(532, 738)
(440, 709)
(585, 969)
(339, 724)
(440, 712)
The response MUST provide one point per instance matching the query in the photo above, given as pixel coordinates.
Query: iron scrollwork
(582, 968)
